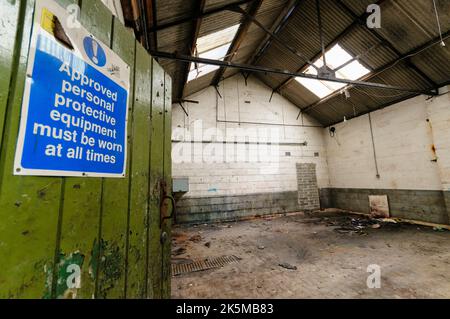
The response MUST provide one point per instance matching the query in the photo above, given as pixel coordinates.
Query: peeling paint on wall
(68, 274)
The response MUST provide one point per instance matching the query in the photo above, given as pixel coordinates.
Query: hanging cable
(438, 23)
(377, 95)
(373, 147)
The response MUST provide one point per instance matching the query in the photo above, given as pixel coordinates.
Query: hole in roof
(349, 68)
(212, 46)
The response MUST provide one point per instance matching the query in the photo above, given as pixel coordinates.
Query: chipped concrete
(414, 260)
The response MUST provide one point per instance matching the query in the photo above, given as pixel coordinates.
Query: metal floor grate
(178, 269)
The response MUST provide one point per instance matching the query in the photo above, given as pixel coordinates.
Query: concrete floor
(331, 260)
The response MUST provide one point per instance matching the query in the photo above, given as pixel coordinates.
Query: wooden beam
(192, 43)
(148, 10)
(153, 21)
(237, 41)
(129, 14)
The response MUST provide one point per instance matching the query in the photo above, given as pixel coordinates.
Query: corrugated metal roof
(406, 25)
(434, 62)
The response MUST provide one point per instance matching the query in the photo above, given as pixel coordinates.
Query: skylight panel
(216, 39)
(202, 69)
(216, 54)
(317, 87)
(353, 71)
(212, 46)
(336, 57)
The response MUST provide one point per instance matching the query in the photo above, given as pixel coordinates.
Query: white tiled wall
(240, 105)
(403, 141)
(439, 114)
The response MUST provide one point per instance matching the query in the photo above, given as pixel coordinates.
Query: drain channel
(211, 263)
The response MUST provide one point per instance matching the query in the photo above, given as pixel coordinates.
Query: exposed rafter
(205, 13)
(154, 19)
(279, 24)
(130, 13)
(193, 42)
(357, 21)
(240, 35)
(260, 69)
(272, 35)
(141, 15)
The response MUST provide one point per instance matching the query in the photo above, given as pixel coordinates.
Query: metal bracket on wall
(217, 90)
(184, 110)
(271, 96)
(246, 76)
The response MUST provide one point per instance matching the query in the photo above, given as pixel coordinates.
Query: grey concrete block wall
(230, 208)
(422, 205)
(308, 192)
(325, 198)
(447, 204)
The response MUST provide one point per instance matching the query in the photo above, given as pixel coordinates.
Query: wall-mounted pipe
(373, 147)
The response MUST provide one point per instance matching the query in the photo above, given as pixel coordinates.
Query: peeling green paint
(111, 266)
(66, 283)
(49, 225)
(93, 263)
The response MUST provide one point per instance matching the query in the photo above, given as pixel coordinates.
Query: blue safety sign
(75, 116)
(94, 51)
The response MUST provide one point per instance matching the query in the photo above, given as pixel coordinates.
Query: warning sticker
(74, 112)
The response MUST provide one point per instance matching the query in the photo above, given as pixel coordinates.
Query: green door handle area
(164, 215)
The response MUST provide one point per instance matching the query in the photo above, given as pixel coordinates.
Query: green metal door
(114, 230)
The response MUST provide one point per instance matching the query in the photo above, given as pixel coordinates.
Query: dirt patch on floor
(318, 255)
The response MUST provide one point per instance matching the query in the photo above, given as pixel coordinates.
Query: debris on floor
(196, 238)
(347, 224)
(329, 264)
(179, 251)
(287, 266)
